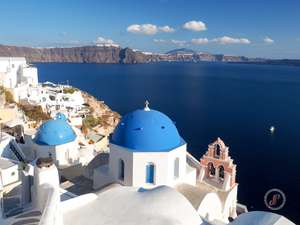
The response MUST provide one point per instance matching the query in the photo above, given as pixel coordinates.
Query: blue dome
(61, 116)
(55, 132)
(147, 131)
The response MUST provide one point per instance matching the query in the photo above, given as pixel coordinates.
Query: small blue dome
(147, 131)
(55, 132)
(61, 116)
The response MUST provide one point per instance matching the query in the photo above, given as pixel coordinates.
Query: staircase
(17, 151)
(28, 218)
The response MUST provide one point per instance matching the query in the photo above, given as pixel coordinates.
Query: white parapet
(46, 192)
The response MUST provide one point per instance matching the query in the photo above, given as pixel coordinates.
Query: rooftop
(147, 130)
(133, 206)
(6, 163)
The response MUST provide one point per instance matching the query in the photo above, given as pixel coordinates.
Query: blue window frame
(150, 173)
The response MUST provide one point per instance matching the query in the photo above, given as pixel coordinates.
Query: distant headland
(114, 55)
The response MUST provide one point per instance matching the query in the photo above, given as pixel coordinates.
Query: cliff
(113, 54)
(85, 54)
(102, 119)
(106, 54)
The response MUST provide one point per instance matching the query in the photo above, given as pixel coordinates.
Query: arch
(121, 169)
(217, 151)
(150, 170)
(211, 169)
(221, 172)
(176, 168)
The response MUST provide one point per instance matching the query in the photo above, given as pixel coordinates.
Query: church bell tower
(217, 167)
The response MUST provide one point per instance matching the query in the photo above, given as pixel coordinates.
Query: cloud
(195, 25)
(147, 29)
(229, 40)
(100, 41)
(166, 29)
(173, 41)
(203, 41)
(199, 41)
(160, 41)
(268, 40)
(179, 42)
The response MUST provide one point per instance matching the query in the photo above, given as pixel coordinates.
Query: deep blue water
(236, 102)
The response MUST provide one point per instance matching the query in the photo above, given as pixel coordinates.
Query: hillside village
(67, 159)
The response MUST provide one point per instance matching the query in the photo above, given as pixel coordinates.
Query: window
(211, 170)
(176, 168)
(221, 172)
(121, 169)
(217, 151)
(150, 170)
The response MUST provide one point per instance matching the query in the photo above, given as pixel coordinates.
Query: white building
(17, 75)
(59, 140)
(9, 173)
(22, 80)
(146, 150)
(55, 138)
(55, 100)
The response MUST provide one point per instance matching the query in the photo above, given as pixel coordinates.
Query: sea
(236, 102)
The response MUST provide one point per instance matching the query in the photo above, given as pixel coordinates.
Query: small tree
(9, 98)
(34, 113)
(69, 90)
(90, 122)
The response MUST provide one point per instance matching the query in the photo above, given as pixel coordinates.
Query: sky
(256, 28)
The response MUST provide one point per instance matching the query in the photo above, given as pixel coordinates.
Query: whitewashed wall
(136, 162)
(63, 155)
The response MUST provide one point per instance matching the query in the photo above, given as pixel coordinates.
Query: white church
(146, 150)
(149, 179)
(56, 139)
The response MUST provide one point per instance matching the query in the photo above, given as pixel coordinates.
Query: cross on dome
(147, 106)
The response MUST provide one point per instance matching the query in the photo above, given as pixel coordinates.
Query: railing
(17, 151)
(192, 161)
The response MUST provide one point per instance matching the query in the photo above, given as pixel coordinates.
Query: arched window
(150, 170)
(221, 172)
(217, 151)
(176, 168)
(211, 169)
(121, 169)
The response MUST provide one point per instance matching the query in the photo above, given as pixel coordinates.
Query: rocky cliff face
(106, 54)
(127, 55)
(86, 54)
